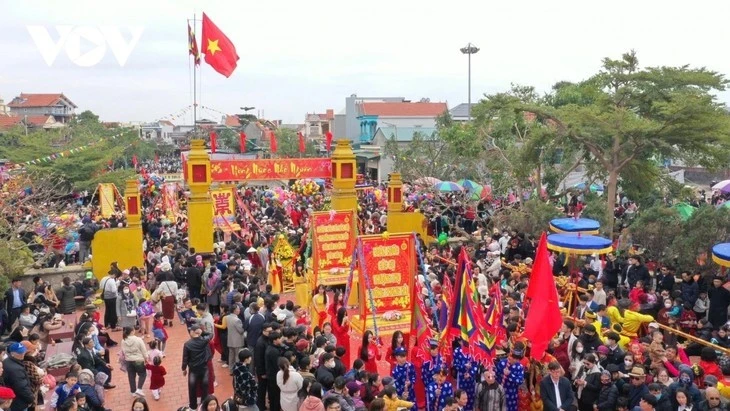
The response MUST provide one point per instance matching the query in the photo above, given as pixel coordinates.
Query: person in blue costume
(404, 377)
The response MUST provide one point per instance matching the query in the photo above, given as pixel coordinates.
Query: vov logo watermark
(98, 38)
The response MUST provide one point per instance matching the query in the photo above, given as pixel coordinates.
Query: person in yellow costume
(632, 319)
(623, 341)
(319, 307)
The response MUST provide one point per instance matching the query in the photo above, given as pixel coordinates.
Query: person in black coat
(16, 378)
(259, 363)
(15, 298)
(636, 271)
(611, 272)
(255, 325)
(88, 359)
(271, 362)
(194, 280)
(589, 378)
(607, 393)
(665, 279)
(550, 402)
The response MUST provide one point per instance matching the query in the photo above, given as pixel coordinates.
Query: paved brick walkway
(175, 392)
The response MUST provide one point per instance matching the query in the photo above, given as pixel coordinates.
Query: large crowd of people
(632, 338)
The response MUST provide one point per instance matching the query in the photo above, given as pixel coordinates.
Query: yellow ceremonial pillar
(344, 196)
(200, 206)
(132, 204)
(400, 221)
(120, 245)
(343, 177)
(395, 195)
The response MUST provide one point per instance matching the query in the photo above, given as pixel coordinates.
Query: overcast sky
(307, 56)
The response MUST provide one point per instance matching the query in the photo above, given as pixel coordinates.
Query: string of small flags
(67, 153)
(176, 115)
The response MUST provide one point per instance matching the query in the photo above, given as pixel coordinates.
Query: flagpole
(195, 88)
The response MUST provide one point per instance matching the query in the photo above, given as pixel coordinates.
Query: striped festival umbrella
(448, 186)
(468, 185)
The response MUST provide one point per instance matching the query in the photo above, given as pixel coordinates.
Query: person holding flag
(513, 375)
(433, 364)
(439, 390)
(404, 377)
(467, 372)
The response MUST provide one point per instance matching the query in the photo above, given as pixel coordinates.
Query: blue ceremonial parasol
(579, 244)
(721, 254)
(574, 225)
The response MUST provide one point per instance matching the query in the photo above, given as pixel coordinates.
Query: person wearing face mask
(126, 307)
(607, 393)
(590, 338)
(663, 403)
(684, 381)
(324, 373)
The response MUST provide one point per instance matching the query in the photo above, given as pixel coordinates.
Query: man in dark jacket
(555, 390)
(636, 271)
(689, 288)
(196, 353)
(611, 272)
(15, 298)
(665, 279)
(194, 280)
(271, 362)
(16, 378)
(86, 235)
(255, 326)
(259, 357)
(88, 359)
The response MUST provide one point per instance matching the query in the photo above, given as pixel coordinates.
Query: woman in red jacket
(341, 331)
(369, 352)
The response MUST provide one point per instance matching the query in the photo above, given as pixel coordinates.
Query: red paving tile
(175, 392)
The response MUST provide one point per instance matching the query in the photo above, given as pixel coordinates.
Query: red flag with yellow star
(219, 52)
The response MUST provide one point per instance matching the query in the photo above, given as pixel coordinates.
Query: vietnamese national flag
(543, 317)
(242, 137)
(134, 160)
(328, 140)
(273, 146)
(302, 144)
(213, 141)
(219, 52)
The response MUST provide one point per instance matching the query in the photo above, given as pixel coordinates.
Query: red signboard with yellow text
(224, 209)
(271, 169)
(390, 266)
(333, 244)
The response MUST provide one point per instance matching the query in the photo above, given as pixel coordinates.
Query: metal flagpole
(195, 85)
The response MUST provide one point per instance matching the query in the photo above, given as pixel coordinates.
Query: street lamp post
(469, 50)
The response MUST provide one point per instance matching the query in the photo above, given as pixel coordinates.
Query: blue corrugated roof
(406, 133)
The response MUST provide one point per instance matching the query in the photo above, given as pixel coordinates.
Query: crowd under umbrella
(721, 254)
(469, 185)
(448, 187)
(685, 210)
(723, 186)
(585, 226)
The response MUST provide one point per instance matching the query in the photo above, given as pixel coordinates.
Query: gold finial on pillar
(344, 171)
(132, 203)
(395, 193)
